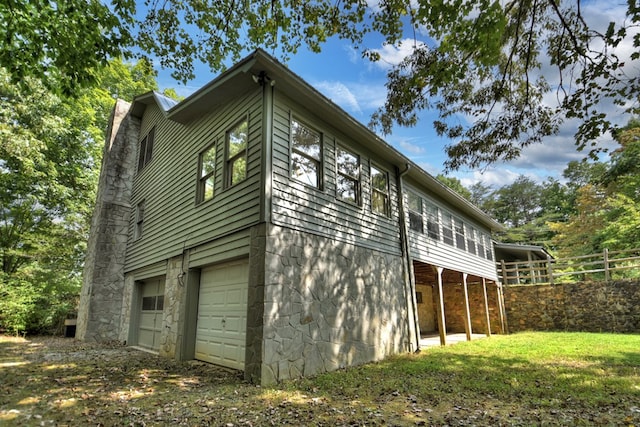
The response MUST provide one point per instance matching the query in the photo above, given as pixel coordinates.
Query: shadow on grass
(69, 383)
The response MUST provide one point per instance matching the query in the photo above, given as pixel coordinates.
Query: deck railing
(607, 265)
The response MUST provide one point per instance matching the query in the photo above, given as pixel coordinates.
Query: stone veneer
(173, 315)
(327, 305)
(100, 305)
(586, 307)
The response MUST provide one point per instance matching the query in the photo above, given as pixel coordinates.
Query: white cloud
(391, 55)
(339, 93)
(408, 147)
(356, 98)
(430, 168)
(352, 54)
(494, 177)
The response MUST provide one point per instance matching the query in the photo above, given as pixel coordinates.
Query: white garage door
(222, 315)
(152, 305)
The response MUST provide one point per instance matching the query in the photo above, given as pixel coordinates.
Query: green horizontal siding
(173, 220)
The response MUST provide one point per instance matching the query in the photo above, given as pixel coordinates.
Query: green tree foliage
(517, 204)
(622, 183)
(481, 194)
(602, 201)
(491, 62)
(623, 176)
(50, 151)
(487, 62)
(580, 235)
(63, 44)
(455, 184)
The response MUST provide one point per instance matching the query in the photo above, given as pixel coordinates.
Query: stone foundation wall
(427, 309)
(454, 308)
(328, 305)
(585, 307)
(255, 306)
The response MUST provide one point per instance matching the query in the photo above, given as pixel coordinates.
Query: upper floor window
(459, 229)
(137, 233)
(486, 247)
(471, 240)
(433, 226)
(481, 245)
(379, 191)
(237, 142)
(415, 213)
(447, 228)
(306, 154)
(145, 150)
(207, 175)
(348, 177)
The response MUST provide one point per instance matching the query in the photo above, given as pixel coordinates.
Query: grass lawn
(521, 379)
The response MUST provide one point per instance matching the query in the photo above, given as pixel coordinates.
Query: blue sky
(357, 85)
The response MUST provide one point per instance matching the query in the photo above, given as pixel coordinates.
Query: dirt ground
(47, 381)
(60, 381)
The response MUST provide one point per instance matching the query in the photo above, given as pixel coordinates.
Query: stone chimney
(101, 298)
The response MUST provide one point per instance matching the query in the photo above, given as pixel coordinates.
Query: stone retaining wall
(584, 307)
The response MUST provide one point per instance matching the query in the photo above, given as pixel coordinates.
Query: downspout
(266, 176)
(408, 273)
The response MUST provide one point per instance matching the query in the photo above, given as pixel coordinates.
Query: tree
(581, 234)
(50, 149)
(606, 212)
(622, 183)
(455, 184)
(518, 203)
(623, 174)
(62, 44)
(479, 61)
(481, 194)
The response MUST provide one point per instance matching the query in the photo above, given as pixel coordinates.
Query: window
(447, 228)
(206, 178)
(379, 192)
(145, 150)
(348, 179)
(433, 226)
(237, 142)
(471, 241)
(139, 220)
(153, 303)
(488, 248)
(459, 229)
(415, 213)
(306, 154)
(481, 245)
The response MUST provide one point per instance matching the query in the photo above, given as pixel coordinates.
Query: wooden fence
(607, 265)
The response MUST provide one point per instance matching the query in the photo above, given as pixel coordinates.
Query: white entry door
(222, 314)
(151, 307)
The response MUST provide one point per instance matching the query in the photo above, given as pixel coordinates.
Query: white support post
(467, 311)
(442, 327)
(486, 306)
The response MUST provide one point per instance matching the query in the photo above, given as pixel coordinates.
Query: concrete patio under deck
(433, 340)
